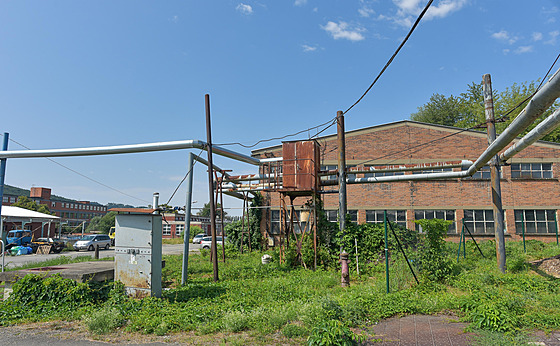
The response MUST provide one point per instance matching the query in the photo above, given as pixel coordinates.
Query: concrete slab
(80, 272)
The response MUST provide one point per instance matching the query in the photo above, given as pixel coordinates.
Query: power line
(185, 177)
(81, 174)
(279, 138)
(394, 54)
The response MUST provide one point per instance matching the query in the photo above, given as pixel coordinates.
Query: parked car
(56, 245)
(206, 242)
(90, 242)
(197, 238)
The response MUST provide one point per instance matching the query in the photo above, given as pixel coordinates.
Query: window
(5, 200)
(332, 215)
(179, 229)
(480, 221)
(353, 215)
(329, 168)
(380, 174)
(535, 221)
(397, 216)
(275, 222)
(531, 170)
(166, 229)
(448, 215)
(433, 170)
(482, 174)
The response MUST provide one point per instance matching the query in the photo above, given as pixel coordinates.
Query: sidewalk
(422, 330)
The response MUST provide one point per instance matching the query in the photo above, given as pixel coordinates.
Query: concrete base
(80, 272)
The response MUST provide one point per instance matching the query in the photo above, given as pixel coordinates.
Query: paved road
(16, 261)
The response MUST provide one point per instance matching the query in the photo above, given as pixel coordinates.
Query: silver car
(206, 242)
(90, 242)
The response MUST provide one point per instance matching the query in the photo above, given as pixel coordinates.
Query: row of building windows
(518, 171)
(166, 229)
(80, 206)
(476, 221)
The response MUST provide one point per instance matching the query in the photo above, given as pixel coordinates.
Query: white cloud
(524, 49)
(537, 36)
(504, 36)
(553, 36)
(244, 8)
(307, 48)
(341, 30)
(174, 19)
(505, 51)
(408, 10)
(300, 2)
(365, 12)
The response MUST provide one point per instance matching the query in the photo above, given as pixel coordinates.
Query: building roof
(11, 213)
(381, 127)
(133, 210)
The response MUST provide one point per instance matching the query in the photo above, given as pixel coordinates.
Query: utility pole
(213, 247)
(495, 175)
(2, 176)
(345, 278)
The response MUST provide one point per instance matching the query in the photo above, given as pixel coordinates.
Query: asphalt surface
(16, 261)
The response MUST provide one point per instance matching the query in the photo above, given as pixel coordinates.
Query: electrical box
(138, 253)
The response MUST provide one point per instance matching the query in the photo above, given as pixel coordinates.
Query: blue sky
(91, 73)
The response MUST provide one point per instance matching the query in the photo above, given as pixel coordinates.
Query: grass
(275, 301)
(58, 261)
(172, 241)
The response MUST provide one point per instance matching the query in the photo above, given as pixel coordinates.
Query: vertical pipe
(242, 224)
(495, 175)
(356, 246)
(187, 231)
(2, 177)
(556, 227)
(386, 251)
(314, 231)
(213, 247)
(155, 201)
(342, 185)
(523, 230)
(341, 173)
(222, 219)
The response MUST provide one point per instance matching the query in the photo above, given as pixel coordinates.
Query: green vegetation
(467, 109)
(302, 305)
(27, 203)
(102, 223)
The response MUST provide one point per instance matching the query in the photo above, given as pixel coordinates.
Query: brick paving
(422, 330)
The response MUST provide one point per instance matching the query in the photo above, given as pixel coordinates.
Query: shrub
(333, 332)
(104, 320)
(434, 260)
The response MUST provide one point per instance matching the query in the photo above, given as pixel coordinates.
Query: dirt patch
(550, 266)
(76, 333)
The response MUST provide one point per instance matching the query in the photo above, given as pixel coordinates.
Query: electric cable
(278, 138)
(184, 178)
(81, 174)
(394, 55)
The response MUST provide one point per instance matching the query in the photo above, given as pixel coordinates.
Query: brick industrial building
(73, 212)
(529, 181)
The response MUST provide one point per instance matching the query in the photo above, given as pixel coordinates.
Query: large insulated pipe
(128, 149)
(543, 99)
(394, 168)
(541, 130)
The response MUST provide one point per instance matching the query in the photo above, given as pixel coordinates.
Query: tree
(27, 203)
(467, 109)
(205, 211)
(102, 223)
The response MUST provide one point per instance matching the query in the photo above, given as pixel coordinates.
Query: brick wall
(398, 144)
